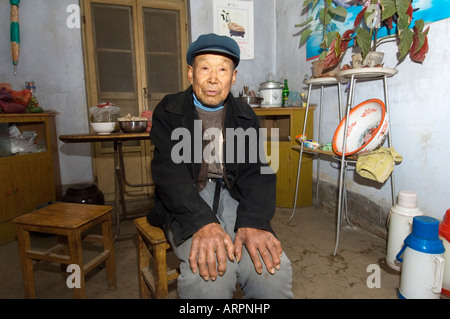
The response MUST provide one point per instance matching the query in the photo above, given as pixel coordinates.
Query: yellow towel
(379, 164)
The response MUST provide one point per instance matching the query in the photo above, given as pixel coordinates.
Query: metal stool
(68, 221)
(153, 243)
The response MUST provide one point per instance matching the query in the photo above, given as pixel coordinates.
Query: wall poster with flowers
(427, 10)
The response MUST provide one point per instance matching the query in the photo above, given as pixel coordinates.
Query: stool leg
(23, 240)
(76, 257)
(62, 240)
(143, 263)
(108, 243)
(160, 268)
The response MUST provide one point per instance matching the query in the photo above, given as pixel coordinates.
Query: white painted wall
(51, 54)
(419, 98)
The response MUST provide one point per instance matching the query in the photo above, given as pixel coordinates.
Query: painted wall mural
(428, 10)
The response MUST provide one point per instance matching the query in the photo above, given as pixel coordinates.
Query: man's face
(212, 76)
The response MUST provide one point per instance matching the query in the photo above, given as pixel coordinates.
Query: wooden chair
(68, 221)
(153, 243)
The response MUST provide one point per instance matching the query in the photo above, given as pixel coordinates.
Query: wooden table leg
(108, 244)
(23, 239)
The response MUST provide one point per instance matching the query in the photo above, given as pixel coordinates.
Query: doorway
(134, 55)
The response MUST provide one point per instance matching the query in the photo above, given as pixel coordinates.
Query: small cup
(357, 60)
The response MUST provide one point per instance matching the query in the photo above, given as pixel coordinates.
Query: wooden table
(119, 167)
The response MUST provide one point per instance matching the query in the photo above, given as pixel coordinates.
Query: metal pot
(253, 101)
(272, 93)
(84, 193)
(133, 126)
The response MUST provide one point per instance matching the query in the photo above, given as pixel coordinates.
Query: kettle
(400, 221)
(444, 234)
(422, 262)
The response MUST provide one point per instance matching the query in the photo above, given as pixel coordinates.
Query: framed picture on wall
(235, 19)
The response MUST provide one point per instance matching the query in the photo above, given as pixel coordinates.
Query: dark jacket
(178, 205)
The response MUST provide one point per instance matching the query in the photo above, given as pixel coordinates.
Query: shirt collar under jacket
(198, 104)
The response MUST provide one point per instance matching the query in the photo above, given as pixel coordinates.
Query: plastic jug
(400, 221)
(444, 235)
(423, 262)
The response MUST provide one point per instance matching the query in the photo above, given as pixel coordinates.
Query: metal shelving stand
(351, 76)
(322, 83)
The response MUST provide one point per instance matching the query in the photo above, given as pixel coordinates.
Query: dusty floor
(308, 240)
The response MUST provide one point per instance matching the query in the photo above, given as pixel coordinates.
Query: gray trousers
(253, 285)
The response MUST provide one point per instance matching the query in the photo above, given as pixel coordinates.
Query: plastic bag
(11, 107)
(104, 112)
(148, 115)
(22, 143)
(12, 101)
(294, 99)
(21, 97)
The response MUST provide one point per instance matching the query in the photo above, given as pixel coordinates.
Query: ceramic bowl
(103, 127)
(367, 128)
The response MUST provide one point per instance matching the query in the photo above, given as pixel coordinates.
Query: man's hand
(259, 242)
(209, 243)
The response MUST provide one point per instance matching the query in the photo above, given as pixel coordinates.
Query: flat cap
(214, 43)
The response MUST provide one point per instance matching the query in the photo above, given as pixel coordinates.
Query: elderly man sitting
(212, 198)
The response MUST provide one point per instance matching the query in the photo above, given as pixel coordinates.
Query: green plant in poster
(322, 22)
(396, 16)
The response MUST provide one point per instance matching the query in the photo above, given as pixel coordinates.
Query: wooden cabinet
(28, 180)
(289, 121)
(133, 62)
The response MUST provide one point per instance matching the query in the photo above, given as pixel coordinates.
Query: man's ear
(190, 74)
(233, 78)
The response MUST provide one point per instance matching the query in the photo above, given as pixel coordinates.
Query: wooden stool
(68, 221)
(152, 242)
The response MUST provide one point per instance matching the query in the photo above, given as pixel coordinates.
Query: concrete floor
(308, 240)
